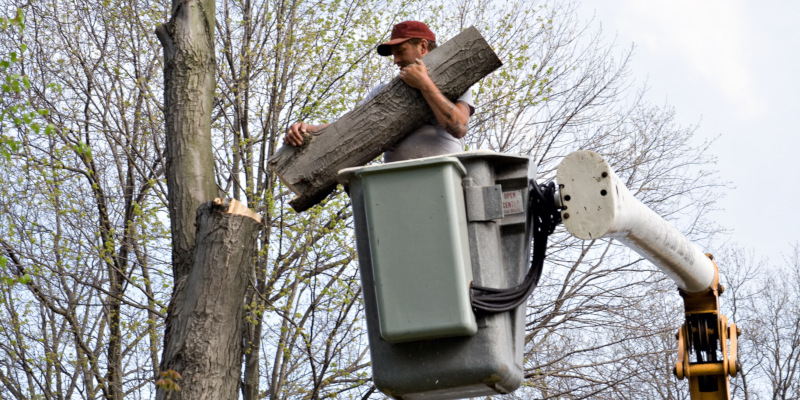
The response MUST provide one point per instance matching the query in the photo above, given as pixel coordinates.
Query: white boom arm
(596, 205)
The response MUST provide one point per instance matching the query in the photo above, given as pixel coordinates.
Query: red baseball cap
(404, 31)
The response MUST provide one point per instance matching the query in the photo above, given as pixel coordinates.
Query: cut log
(370, 129)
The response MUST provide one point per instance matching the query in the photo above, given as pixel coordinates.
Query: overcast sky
(732, 66)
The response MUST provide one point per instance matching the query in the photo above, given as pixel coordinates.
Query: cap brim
(386, 48)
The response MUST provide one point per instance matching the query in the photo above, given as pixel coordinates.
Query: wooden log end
(235, 207)
(309, 199)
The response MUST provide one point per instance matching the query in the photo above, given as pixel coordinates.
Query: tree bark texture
(189, 83)
(370, 129)
(204, 341)
(212, 252)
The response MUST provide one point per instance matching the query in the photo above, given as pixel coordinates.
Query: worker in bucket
(410, 41)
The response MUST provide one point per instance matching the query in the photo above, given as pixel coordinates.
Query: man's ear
(424, 47)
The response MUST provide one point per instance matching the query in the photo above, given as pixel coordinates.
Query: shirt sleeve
(467, 98)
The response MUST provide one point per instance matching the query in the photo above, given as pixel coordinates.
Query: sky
(733, 67)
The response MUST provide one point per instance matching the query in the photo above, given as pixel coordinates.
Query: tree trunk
(252, 354)
(203, 335)
(189, 83)
(367, 131)
(204, 341)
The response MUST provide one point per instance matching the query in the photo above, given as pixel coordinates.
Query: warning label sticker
(512, 202)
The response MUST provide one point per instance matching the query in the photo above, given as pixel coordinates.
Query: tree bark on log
(204, 341)
(370, 129)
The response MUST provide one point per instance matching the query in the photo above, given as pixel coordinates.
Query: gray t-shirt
(431, 139)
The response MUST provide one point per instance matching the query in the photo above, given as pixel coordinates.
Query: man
(410, 41)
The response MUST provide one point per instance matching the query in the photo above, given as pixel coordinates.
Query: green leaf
(5, 153)
(20, 20)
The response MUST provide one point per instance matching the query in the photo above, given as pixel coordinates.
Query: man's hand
(416, 76)
(295, 132)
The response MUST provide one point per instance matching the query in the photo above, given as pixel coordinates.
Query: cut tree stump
(370, 129)
(203, 341)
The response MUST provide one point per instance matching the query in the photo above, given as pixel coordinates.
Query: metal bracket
(706, 333)
(483, 203)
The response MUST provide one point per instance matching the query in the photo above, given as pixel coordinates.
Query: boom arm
(595, 204)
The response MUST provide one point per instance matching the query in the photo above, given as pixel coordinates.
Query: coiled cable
(542, 218)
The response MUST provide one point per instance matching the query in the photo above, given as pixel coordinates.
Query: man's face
(406, 53)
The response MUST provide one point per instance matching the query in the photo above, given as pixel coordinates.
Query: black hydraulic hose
(542, 217)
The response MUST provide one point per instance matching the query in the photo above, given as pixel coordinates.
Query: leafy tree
(81, 216)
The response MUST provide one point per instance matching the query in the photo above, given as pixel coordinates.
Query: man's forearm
(454, 117)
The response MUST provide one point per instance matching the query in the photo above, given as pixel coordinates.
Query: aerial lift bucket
(426, 230)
